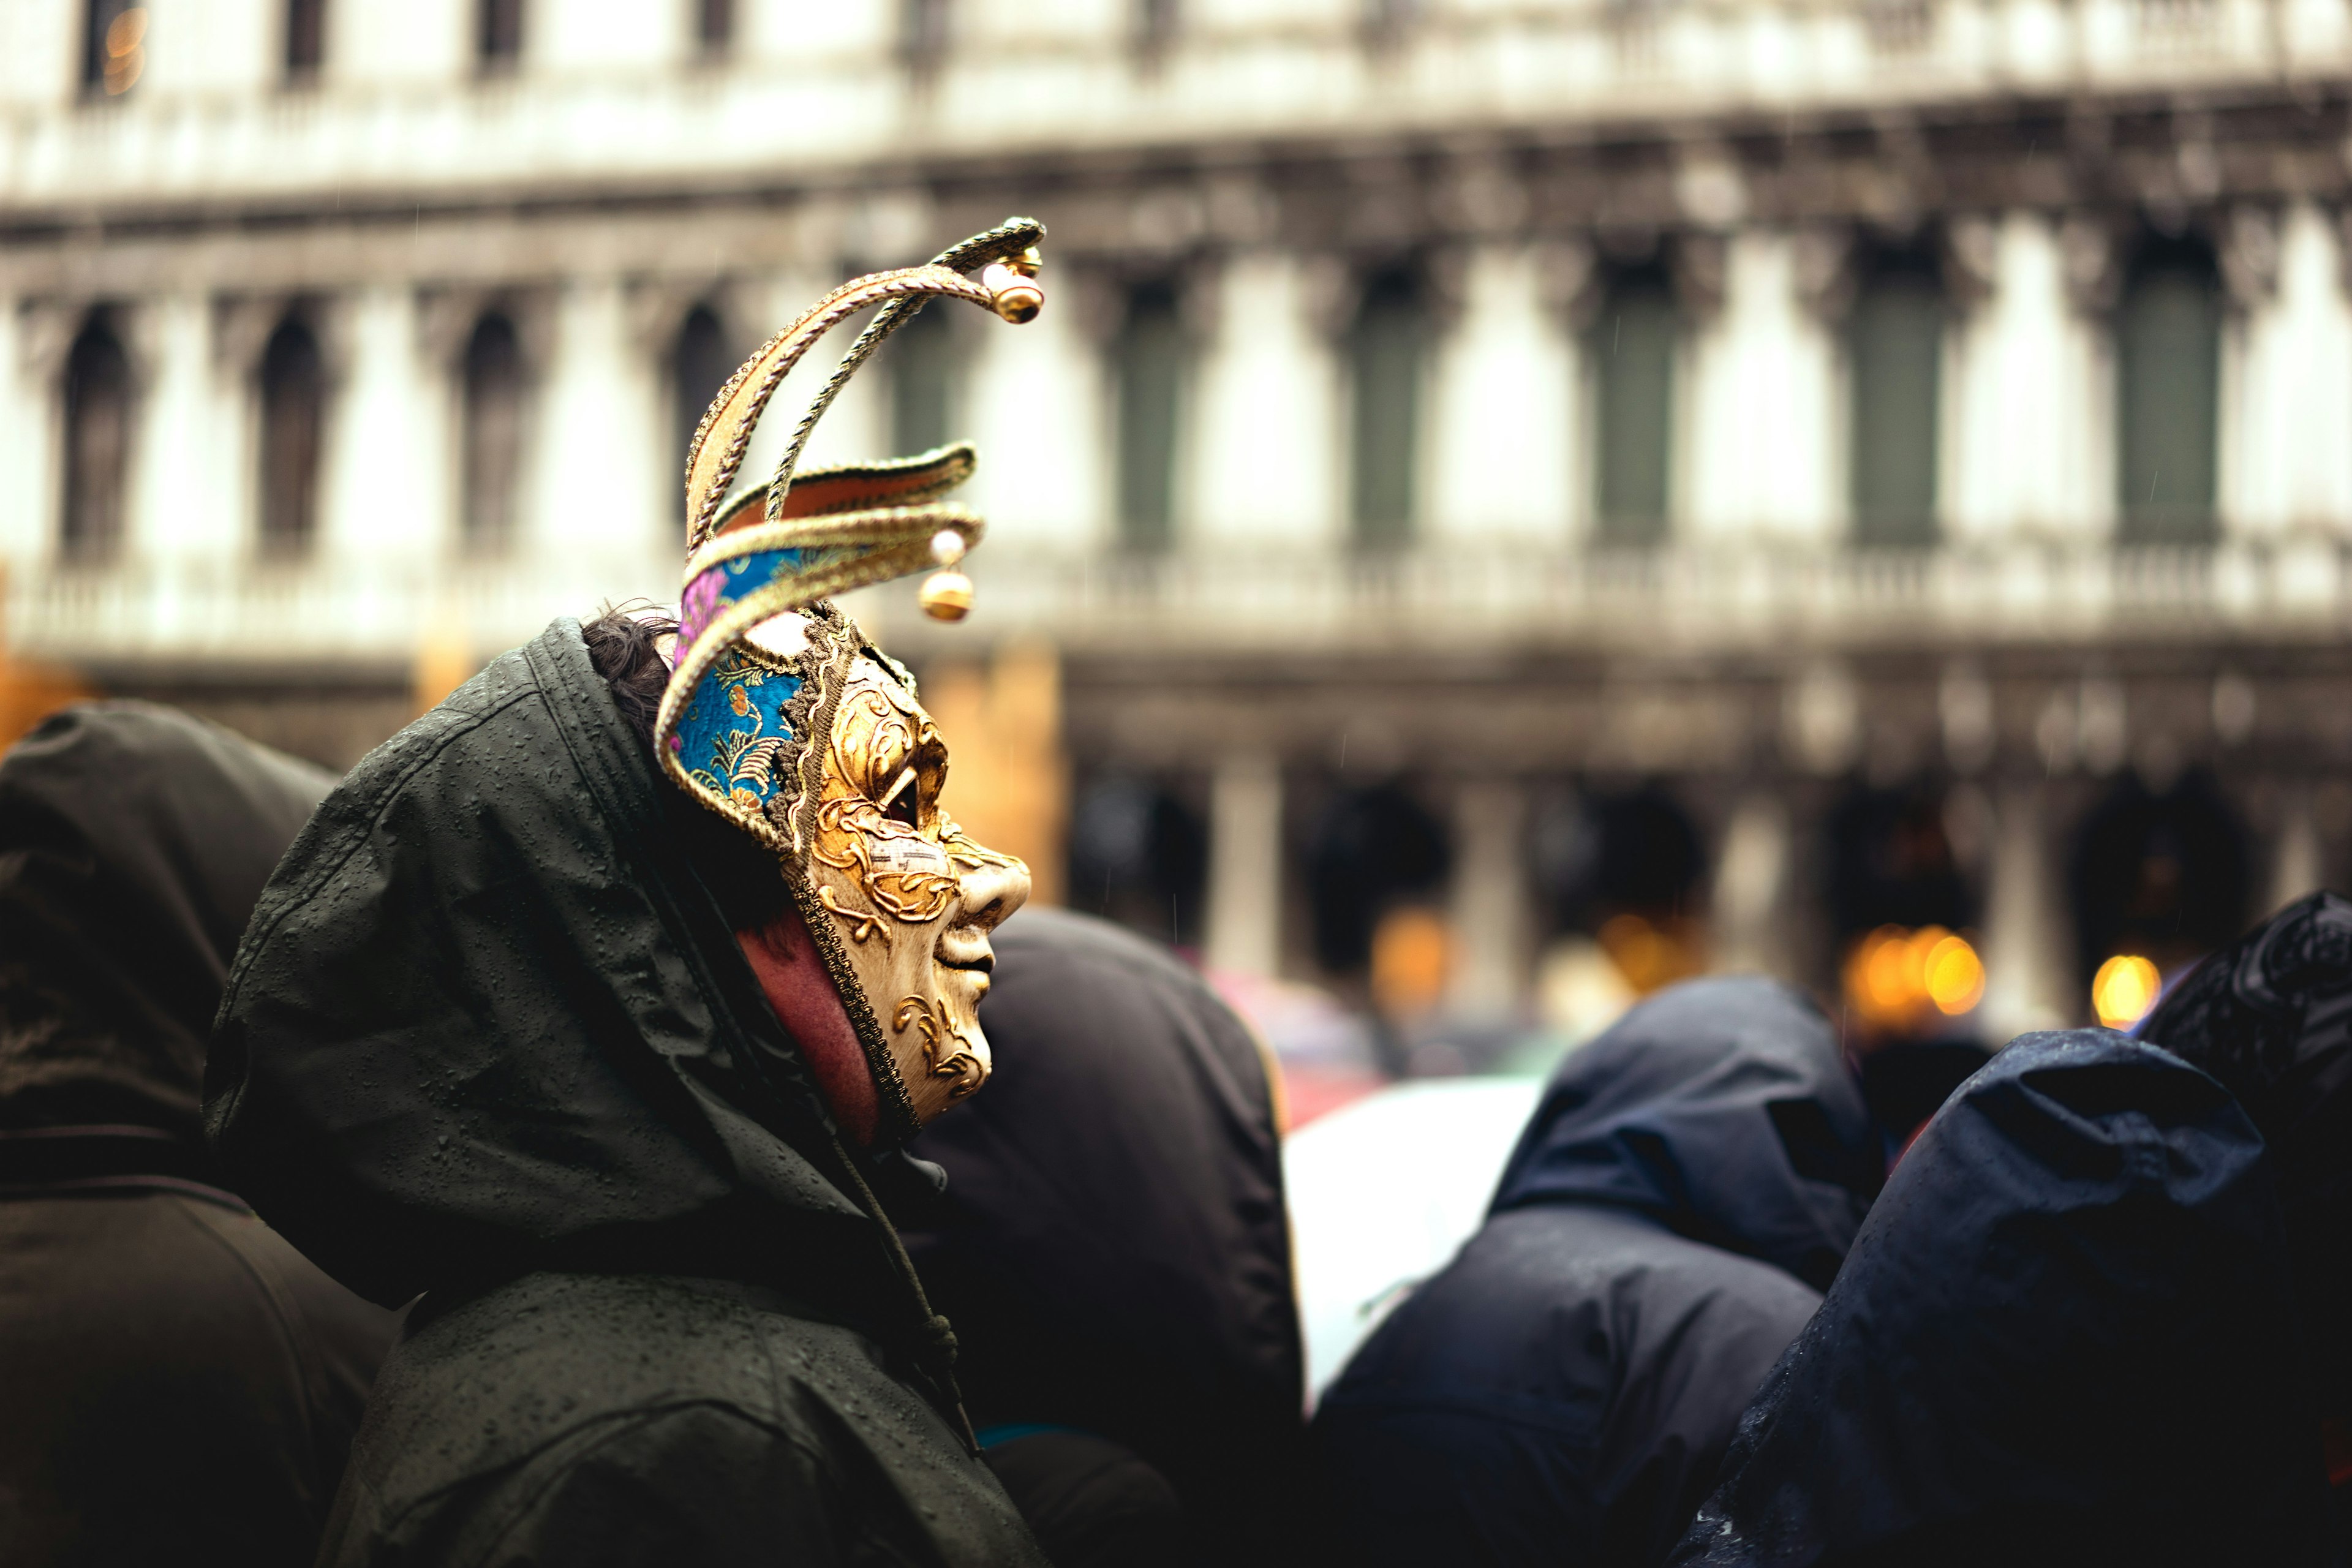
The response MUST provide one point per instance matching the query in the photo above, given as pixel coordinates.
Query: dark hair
(625, 646)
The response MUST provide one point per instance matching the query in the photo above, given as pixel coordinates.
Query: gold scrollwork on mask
(887, 763)
(951, 1054)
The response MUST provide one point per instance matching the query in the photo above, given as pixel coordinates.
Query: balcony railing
(1561, 62)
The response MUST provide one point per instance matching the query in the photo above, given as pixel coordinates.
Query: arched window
(293, 408)
(1632, 348)
(306, 38)
(96, 444)
(497, 34)
(714, 26)
(1150, 370)
(1896, 345)
(1385, 349)
(2168, 372)
(492, 434)
(113, 47)
(700, 364)
(923, 34)
(922, 381)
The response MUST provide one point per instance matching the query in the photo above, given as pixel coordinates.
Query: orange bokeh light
(1895, 977)
(2124, 990)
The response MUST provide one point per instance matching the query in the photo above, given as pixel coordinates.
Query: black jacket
(2065, 1336)
(1114, 1247)
(490, 1038)
(1562, 1391)
(177, 1384)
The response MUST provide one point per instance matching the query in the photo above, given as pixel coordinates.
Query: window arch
(1149, 372)
(700, 364)
(714, 26)
(2167, 402)
(1894, 343)
(492, 418)
(497, 34)
(306, 38)
(96, 444)
(293, 415)
(1386, 348)
(1632, 345)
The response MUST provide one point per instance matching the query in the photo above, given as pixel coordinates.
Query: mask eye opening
(902, 802)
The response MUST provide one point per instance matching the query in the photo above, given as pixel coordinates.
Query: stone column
(34, 341)
(1245, 924)
(1268, 475)
(599, 441)
(2033, 442)
(1033, 403)
(1502, 442)
(2281, 465)
(1752, 877)
(2029, 981)
(1758, 457)
(1489, 901)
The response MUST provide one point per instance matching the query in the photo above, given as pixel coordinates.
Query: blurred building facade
(1734, 476)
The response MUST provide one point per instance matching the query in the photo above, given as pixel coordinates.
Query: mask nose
(992, 892)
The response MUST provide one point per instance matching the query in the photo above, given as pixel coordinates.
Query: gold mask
(784, 718)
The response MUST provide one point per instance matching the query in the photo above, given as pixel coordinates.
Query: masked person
(2074, 1330)
(1113, 1250)
(596, 1019)
(1562, 1391)
(178, 1384)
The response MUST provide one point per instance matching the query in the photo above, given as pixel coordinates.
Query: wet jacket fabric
(178, 1384)
(2271, 1018)
(2065, 1336)
(1562, 1392)
(490, 1038)
(1113, 1246)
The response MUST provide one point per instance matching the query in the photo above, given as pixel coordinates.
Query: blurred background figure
(1491, 523)
(2071, 1331)
(1564, 1390)
(1114, 1253)
(181, 1384)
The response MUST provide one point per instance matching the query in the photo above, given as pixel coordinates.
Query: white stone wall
(610, 90)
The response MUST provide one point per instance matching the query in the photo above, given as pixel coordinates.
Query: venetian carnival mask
(782, 717)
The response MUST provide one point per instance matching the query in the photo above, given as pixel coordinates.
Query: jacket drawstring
(935, 1337)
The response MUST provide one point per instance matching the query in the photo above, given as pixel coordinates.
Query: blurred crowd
(625, 1290)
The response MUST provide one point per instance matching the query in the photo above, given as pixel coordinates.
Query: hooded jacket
(1113, 1246)
(179, 1384)
(1562, 1391)
(490, 1038)
(2065, 1336)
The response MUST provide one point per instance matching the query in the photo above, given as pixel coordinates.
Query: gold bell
(947, 596)
(1013, 287)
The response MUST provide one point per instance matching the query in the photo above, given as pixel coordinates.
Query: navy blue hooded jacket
(2066, 1335)
(1564, 1391)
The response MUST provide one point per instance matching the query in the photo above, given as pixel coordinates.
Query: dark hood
(2064, 1337)
(1719, 1108)
(488, 1020)
(1114, 1245)
(2271, 1018)
(133, 842)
